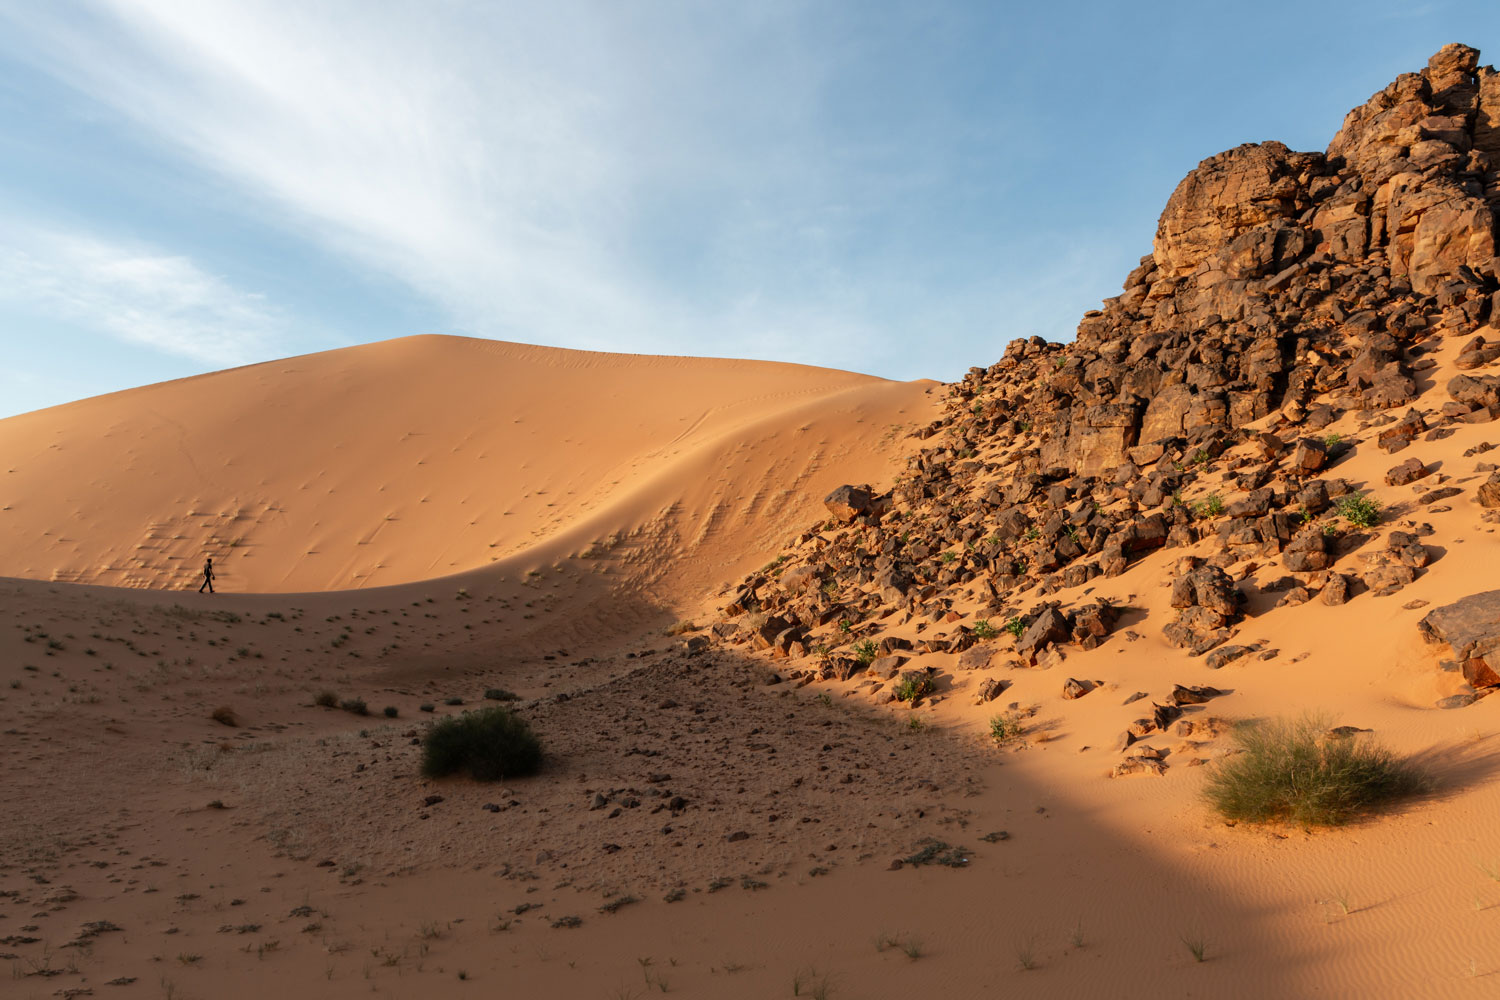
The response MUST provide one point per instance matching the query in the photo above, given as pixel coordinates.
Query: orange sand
(669, 476)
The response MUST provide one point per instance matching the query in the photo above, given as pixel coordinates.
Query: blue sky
(897, 188)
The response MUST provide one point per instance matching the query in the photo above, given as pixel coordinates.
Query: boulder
(1471, 627)
(1408, 471)
(1250, 186)
(1049, 627)
(1309, 456)
(848, 502)
(1488, 493)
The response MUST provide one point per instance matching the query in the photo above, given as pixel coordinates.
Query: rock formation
(1285, 289)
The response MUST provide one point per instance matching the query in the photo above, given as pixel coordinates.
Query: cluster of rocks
(1287, 289)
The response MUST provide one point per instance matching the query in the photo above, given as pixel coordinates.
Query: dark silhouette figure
(208, 576)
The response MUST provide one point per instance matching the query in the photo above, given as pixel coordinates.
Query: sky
(889, 187)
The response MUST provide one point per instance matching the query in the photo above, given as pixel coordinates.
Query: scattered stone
(1408, 471)
(1182, 695)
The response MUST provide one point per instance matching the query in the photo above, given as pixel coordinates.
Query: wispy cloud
(479, 165)
(136, 293)
(581, 173)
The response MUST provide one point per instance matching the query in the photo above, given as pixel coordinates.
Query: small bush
(326, 699)
(1292, 770)
(391, 712)
(455, 700)
(914, 685)
(427, 706)
(1359, 509)
(355, 705)
(1007, 726)
(224, 715)
(864, 651)
(491, 744)
(984, 630)
(1016, 627)
(1210, 506)
(500, 694)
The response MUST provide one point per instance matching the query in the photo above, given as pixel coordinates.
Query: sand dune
(427, 456)
(223, 796)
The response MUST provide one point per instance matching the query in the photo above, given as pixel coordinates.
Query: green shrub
(1292, 770)
(914, 685)
(984, 630)
(391, 712)
(490, 744)
(1359, 509)
(1016, 627)
(1007, 726)
(355, 705)
(326, 699)
(865, 651)
(500, 694)
(1210, 506)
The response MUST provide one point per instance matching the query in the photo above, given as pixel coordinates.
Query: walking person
(208, 576)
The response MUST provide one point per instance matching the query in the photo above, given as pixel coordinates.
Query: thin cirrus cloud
(480, 168)
(135, 293)
(653, 178)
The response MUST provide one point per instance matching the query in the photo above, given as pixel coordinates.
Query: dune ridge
(423, 457)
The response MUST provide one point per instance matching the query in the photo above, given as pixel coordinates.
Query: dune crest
(428, 456)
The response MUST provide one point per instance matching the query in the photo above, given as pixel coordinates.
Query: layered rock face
(1284, 289)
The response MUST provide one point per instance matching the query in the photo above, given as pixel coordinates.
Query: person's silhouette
(208, 576)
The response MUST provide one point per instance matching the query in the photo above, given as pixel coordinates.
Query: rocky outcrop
(1285, 291)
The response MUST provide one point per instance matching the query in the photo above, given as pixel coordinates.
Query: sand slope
(427, 456)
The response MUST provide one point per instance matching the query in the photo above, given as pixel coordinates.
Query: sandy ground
(299, 850)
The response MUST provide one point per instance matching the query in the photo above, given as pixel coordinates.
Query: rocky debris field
(1287, 294)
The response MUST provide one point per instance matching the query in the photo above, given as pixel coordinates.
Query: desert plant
(500, 694)
(326, 699)
(490, 744)
(1292, 770)
(1016, 626)
(391, 711)
(426, 706)
(355, 705)
(1197, 946)
(1007, 726)
(984, 630)
(224, 715)
(1210, 506)
(865, 651)
(1359, 509)
(454, 700)
(914, 685)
